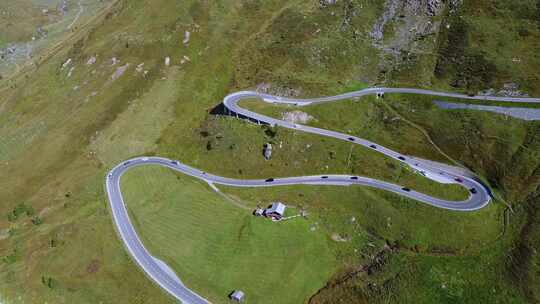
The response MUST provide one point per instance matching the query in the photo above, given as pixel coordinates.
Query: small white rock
(91, 60)
(68, 62)
(187, 36)
(70, 72)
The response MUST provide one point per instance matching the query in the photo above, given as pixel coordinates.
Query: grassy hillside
(474, 56)
(63, 126)
(34, 30)
(217, 247)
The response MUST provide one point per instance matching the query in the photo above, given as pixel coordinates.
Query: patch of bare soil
(94, 266)
(296, 117)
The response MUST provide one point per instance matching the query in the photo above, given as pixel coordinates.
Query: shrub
(36, 220)
(270, 131)
(19, 210)
(49, 282)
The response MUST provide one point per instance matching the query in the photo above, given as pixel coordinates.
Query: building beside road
(275, 211)
(237, 296)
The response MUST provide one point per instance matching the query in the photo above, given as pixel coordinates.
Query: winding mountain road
(161, 274)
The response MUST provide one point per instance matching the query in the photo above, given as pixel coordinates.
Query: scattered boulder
(285, 91)
(454, 5)
(338, 238)
(4, 234)
(41, 32)
(140, 67)
(187, 36)
(511, 90)
(11, 50)
(70, 71)
(488, 92)
(119, 72)
(66, 64)
(326, 3)
(91, 60)
(185, 59)
(413, 22)
(63, 7)
(267, 151)
(434, 7)
(167, 61)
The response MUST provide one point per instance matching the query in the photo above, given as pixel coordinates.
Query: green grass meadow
(61, 132)
(217, 247)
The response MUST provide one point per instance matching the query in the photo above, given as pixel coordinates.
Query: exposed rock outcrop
(406, 29)
(296, 117)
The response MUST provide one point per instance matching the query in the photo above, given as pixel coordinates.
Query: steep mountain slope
(106, 93)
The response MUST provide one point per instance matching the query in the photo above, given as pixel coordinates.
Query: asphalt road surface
(161, 274)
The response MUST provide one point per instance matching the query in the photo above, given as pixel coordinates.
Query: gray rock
(91, 60)
(267, 151)
(434, 7)
(326, 3)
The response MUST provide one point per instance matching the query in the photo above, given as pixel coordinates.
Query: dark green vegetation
(488, 43)
(468, 70)
(60, 134)
(19, 210)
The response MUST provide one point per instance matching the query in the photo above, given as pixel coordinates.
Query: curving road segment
(162, 275)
